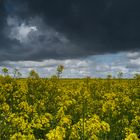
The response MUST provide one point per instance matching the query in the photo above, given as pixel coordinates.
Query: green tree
(120, 75)
(33, 74)
(16, 73)
(137, 76)
(5, 71)
(109, 76)
(60, 69)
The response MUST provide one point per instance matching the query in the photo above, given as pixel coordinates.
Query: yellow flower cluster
(69, 109)
(56, 134)
(92, 128)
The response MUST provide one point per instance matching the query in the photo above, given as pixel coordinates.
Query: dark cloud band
(91, 27)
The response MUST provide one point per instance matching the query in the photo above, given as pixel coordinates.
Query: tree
(120, 75)
(17, 74)
(33, 74)
(137, 76)
(5, 71)
(109, 76)
(60, 69)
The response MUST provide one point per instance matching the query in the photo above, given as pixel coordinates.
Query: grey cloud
(133, 55)
(133, 63)
(68, 29)
(103, 26)
(133, 66)
(133, 60)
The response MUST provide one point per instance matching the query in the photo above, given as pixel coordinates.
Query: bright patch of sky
(20, 32)
(93, 66)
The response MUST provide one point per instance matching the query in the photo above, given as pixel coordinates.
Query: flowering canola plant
(69, 109)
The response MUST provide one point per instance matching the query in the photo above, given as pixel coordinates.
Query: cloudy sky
(90, 38)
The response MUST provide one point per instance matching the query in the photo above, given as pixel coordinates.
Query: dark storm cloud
(91, 27)
(6, 44)
(103, 26)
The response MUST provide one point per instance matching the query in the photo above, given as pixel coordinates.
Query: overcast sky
(90, 38)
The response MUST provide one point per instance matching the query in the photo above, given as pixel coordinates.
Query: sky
(90, 38)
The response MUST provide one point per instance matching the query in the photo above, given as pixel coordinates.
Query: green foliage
(33, 74)
(120, 75)
(5, 71)
(137, 76)
(109, 76)
(17, 73)
(60, 69)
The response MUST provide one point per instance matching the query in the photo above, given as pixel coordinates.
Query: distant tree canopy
(120, 75)
(17, 73)
(5, 71)
(137, 76)
(109, 76)
(33, 74)
(60, 69)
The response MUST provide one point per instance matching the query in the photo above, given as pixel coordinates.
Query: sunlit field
(69, 109)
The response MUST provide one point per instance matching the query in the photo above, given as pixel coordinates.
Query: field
(69, 109)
